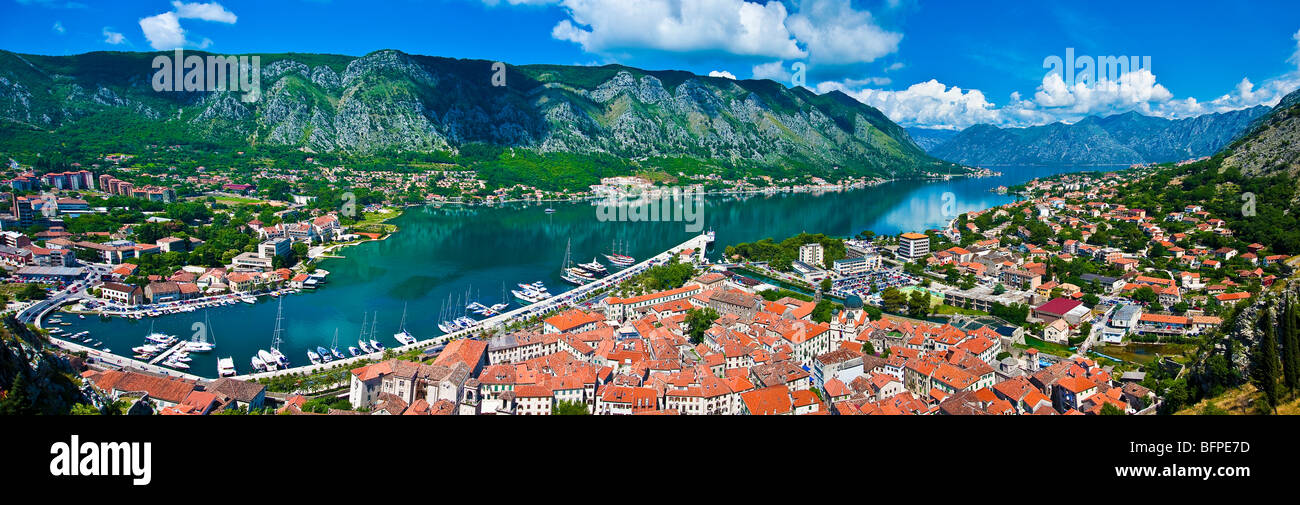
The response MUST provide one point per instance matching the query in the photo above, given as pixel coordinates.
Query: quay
(122, 361)
(568, 298)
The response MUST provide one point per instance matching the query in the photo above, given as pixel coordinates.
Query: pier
(699, 243)
(157, 359)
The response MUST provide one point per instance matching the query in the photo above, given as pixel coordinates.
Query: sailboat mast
(279, 316)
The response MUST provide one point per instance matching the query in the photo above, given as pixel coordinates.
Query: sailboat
(505, 302)
(280, 358)
(334, 345)
(200, 342)
(361, 341)
(621, 260)
(571, 274)
(374, 344)
(402, 335)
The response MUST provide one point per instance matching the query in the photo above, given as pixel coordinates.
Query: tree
(1264, 364)
(893, 300)
(918, 305)
(569, 408)
(16, 401)
(1290, 350)
(1109, 409)
(699, 321)
(32, 291)
(822, 312)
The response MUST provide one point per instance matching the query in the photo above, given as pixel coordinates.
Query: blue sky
(940, 64)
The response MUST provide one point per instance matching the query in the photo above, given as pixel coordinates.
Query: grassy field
(1146, 353)
(1240, 401)
(234, 200)
(1048, 347)
(374, 222)
(949, 309)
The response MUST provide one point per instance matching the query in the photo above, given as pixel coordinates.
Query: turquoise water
(449, 250)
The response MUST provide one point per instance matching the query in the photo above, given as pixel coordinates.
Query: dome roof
(853, 302)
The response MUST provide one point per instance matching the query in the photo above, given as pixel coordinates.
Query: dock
(157, 359)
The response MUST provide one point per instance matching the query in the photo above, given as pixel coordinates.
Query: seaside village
(765, 356)
(56, 257)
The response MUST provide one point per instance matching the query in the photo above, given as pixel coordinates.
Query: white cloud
(934, 104)
(58, 28)
(929, 103)
(735, 27)
(776, 71)
(113, 37)
(722, 73)
(164, 31)
(1295, 57)
(206, 11)
(835, 33)
(1134, 90)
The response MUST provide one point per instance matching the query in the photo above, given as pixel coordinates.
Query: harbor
(445, 253)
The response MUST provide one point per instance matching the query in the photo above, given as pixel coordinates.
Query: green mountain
(392, 102)
(1112, 140)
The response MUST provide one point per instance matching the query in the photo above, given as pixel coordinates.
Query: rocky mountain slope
(1112, 140)
(389, 101)
(1272, 145)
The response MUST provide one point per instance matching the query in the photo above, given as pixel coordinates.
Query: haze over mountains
(1118, 139)
(388, 101)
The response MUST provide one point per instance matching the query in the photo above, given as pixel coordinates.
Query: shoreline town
(822, 325)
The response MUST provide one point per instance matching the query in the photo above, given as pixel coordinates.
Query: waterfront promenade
(567, 298)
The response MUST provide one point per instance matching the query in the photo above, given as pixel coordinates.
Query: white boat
(354, 351)
(594, 267)
(529, 296)
(267, 359)
(226, 367)
(402, 335)
(200, 342)
(334, 345)
(374, 344)
(313, 357)
(161, 338)
(365, 347)
(248, 299)
(258, 363)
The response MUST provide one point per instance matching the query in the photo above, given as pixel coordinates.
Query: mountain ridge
(390, 101)
(1118, 139)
